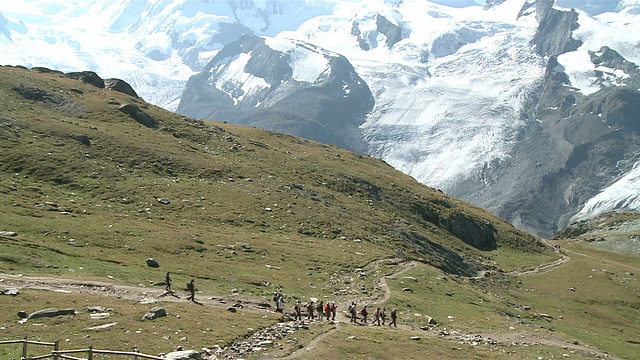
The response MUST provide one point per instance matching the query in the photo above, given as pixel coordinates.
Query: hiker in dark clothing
(320, 310)
(394, 316)
(297, 310)
(310, 311)
(192, 291)
(364, 313)
(352, 312)
(167, 281)
(383, 315)
(333, 311)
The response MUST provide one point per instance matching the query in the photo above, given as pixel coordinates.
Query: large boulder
(154, 313)
(183, 355)
(138, 115)
(46, 313)
(88, 77)
(120, 86)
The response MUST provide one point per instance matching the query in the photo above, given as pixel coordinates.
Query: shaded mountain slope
(76, 164)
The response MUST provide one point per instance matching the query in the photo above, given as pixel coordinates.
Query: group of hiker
(327, 310)
(379, 315)
(321, 310)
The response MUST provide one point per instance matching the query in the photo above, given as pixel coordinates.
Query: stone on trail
(231, 309)
(415, 338)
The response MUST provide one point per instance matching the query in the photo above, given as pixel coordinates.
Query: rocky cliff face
(292, 87)
(581, 141)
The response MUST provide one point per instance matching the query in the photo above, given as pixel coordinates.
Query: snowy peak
(285, 85)
(376, 27)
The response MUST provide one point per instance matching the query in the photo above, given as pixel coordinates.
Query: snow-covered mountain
(524, 107)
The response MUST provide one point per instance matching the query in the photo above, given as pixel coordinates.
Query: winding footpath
(257, 304)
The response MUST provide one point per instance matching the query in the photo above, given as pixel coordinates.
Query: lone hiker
(394, 316)
(167, 281)
(192, 290)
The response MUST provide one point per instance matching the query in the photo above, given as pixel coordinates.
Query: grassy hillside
(90, 193)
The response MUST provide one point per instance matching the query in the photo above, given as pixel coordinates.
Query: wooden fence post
(24, 348)
(56, 347)
(90, 352)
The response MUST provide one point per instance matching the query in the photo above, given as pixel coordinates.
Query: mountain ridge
(426, 81)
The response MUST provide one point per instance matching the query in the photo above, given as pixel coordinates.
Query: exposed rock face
(368, 38)
(88, 77)
(272, 86)
(120, 86)
(555, 29)
(138, 115)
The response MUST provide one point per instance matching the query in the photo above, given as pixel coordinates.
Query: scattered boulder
(183, 355)
(154, 313)
(408, 290)
(431, 321)
(98, 309)
(10, 291)
(138, 115)
(231, 309)
(51, 313)
(152, 263)
(84, 139)
(22, 314)
(40, 95)
(164, 201)
(415, 338)
(120, 86)
(8, 233)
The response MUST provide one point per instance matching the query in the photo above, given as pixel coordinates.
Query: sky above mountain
(454, 59)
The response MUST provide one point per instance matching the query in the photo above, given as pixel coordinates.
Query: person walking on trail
(297, 310)
(394, 316)
(364, 313)
(383, 315)
(333, 311)
(279, 304)
(167, 282)
(327, 311)
(192, 291)
(352, 312)
(376, 317)
(310, 311)
(320, 310)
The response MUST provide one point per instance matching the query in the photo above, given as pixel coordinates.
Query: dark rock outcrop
(88, 77)
(555, 29)
(138, 115)
(328, 108)
(367, 40)
(120, 86)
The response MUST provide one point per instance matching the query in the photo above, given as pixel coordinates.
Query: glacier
(452, 86)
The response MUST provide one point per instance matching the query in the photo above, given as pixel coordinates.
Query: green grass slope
(87, 193)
